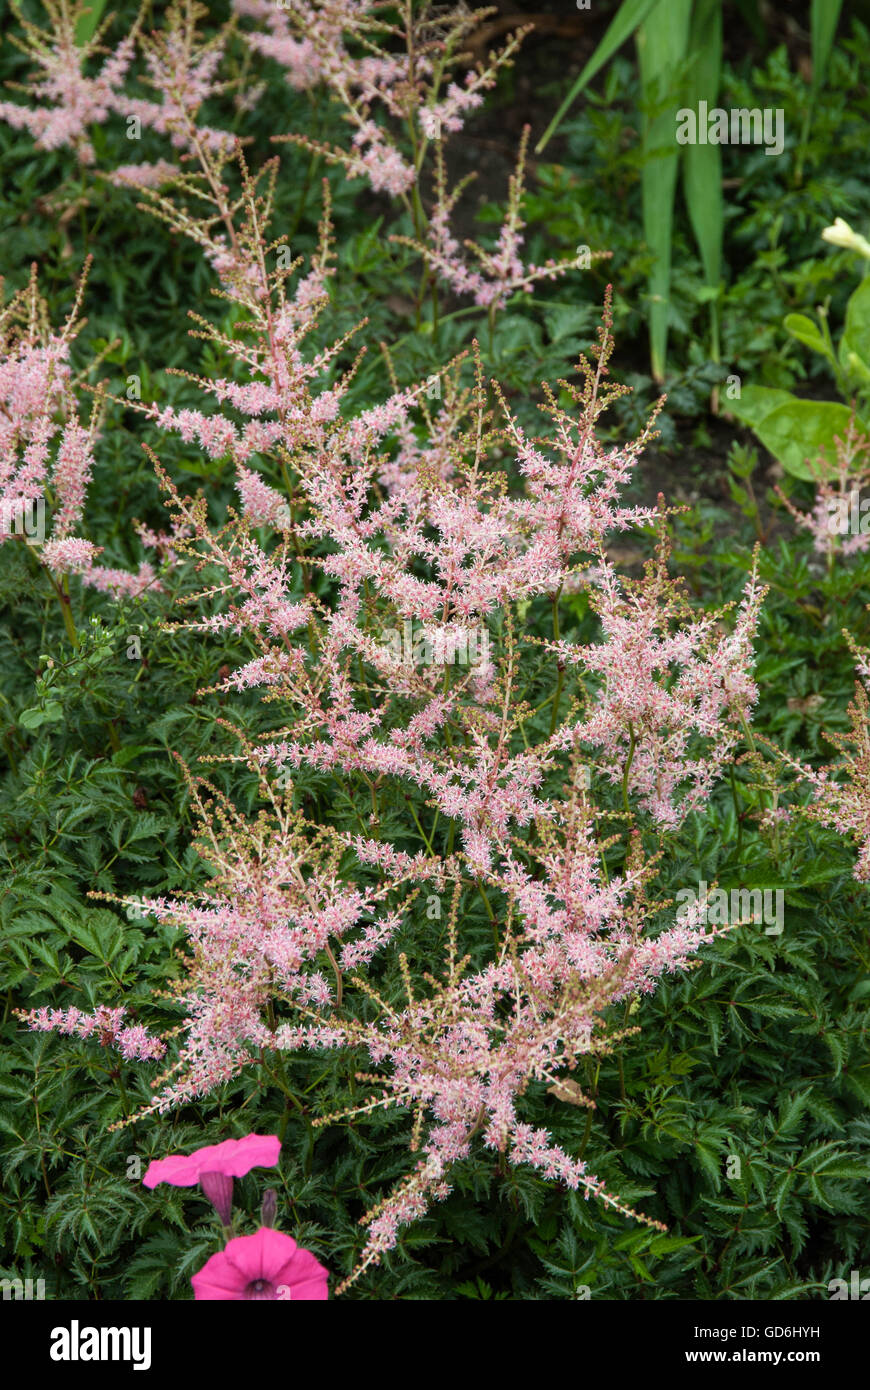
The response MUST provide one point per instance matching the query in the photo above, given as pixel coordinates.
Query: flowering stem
(628, 762)
(339, 984)
(753, 748)
(554, 717)
(125, 1099)
(738, 814)
(426, 839)
(490, 913)
(62, 591)
(588, 1129)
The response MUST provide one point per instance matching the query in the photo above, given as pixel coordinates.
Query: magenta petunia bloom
(267, 1265)
(215, 1166)
(234, 1158)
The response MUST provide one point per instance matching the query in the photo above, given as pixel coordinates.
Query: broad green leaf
(805, 331)
(630, 14)
(801, 435)
(49, 714)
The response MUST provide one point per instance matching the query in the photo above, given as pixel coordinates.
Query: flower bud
(269, 1208)
(841, 234)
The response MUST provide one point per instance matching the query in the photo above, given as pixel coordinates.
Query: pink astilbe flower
(447, 114)
(68, 101)
(119, 582)
(181, 68)
(72, 472)
(71, 556)
(333, 43)
(672, 701)
(261, 504)
(46, 451)
(143, 175)
(836, 521)
(266, 1265)
(35, 387)
(134, 1042)
(498, 273)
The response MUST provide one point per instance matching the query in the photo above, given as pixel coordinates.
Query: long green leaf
(702, 164)
(88, 20)
(824, 17)
(662, 41)
(631, 13)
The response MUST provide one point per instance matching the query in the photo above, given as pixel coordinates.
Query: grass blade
(702, 164)
(824, 17)
(631, 13)
(662, 41)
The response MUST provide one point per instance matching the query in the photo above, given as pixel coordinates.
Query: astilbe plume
(379, 62)
(46, 448)
(335, 43)
(181, 68)
(674, 688)
(68, 101)
(401, 517)
(498, 273)
(838, 494)
(134, 1042)
(840, 794)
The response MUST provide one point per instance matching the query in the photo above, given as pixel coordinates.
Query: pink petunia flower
(267, 1265)
(215, 1166)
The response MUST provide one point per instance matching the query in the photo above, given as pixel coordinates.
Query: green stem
(62, 591)
(628, 763)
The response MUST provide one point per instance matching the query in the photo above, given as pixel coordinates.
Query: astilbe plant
(67, 99)
(378, 60)
(401, 80)
(47, 449)
(830, 521)
(396, 518)
(840, 793)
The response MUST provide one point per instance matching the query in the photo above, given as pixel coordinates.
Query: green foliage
(760, 1055)
(800, 433)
